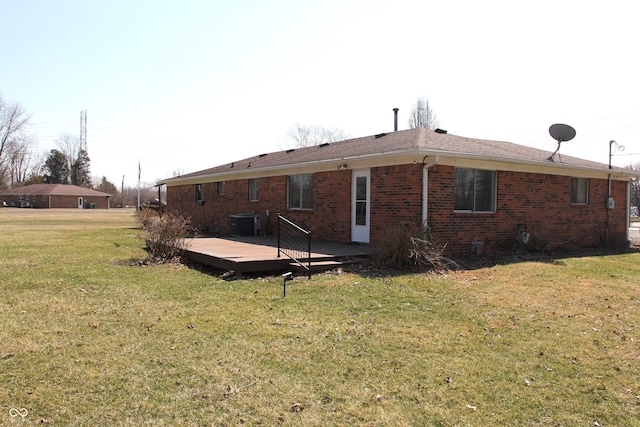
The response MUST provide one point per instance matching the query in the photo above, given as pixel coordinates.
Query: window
(199, 194)
(221, 187)
(579, 191)
(475, 190)
(300, 191)
(361, 200)
(253, 189)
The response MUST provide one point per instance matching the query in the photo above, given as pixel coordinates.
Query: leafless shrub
(146, 216)
(164, 235)
(401, 246)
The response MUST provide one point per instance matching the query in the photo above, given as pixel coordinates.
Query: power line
(137, 134)
(604, 131)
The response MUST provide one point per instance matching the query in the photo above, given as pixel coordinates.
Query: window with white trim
(300, 191)
(580, 191)
(474, 190)
(253, 189)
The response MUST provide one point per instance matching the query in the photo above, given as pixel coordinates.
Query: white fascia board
(352, 162)
(538, 167)
(409, 156)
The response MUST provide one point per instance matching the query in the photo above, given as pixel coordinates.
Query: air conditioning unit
(244, 225)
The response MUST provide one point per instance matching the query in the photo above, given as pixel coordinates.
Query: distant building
(54, 196)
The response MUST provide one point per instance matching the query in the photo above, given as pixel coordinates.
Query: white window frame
(253, 190)
(304, 199)
(579, 191)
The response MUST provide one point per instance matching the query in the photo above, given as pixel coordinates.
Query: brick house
(54, 196)
(469, 193)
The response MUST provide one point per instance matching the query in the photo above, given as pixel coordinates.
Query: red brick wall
(396, 197)
(538, 202)
(212, 216)
(329, 220)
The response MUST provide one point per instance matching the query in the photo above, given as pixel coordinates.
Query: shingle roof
(419, 140)
(53, 190)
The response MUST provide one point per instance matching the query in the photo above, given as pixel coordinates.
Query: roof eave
(412, 155)
(314, 166)
(536, 166)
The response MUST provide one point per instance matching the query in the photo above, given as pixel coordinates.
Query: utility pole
(139, 175)
(122, 193)
(83, 130)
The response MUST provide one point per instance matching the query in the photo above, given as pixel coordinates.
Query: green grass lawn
(90, 337)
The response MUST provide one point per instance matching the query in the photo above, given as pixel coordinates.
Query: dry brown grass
(89, 337)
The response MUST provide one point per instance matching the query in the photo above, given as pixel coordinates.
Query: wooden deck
(252, 254)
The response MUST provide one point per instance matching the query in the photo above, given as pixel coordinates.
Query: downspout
(425, 186)
(160, 200)
(627, 207)
(606, 206)
(628, 210)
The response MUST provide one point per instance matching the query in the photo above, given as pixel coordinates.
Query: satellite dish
(561, 132)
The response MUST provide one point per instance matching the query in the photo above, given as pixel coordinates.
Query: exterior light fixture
(618, 146)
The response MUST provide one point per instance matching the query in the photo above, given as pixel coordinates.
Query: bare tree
(300, 136)
(69, 145)
(176, 172)
(129, 195)
(423, 116)
(78, 161)
(13, 125)
(21, 161)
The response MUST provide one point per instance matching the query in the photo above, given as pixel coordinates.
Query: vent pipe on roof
(395, 119)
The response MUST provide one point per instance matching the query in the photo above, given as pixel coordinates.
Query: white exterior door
(360, 206)
(80, 202)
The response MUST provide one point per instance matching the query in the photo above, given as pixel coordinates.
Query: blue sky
(187, 85)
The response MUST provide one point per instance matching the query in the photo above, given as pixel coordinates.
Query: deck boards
(251, 254)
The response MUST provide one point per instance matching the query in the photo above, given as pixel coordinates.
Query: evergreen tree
(107, 187)
(80, 170)
(57, 168)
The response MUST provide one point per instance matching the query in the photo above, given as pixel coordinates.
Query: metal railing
(294, 242)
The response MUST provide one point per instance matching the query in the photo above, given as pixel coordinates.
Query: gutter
(553, 168)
